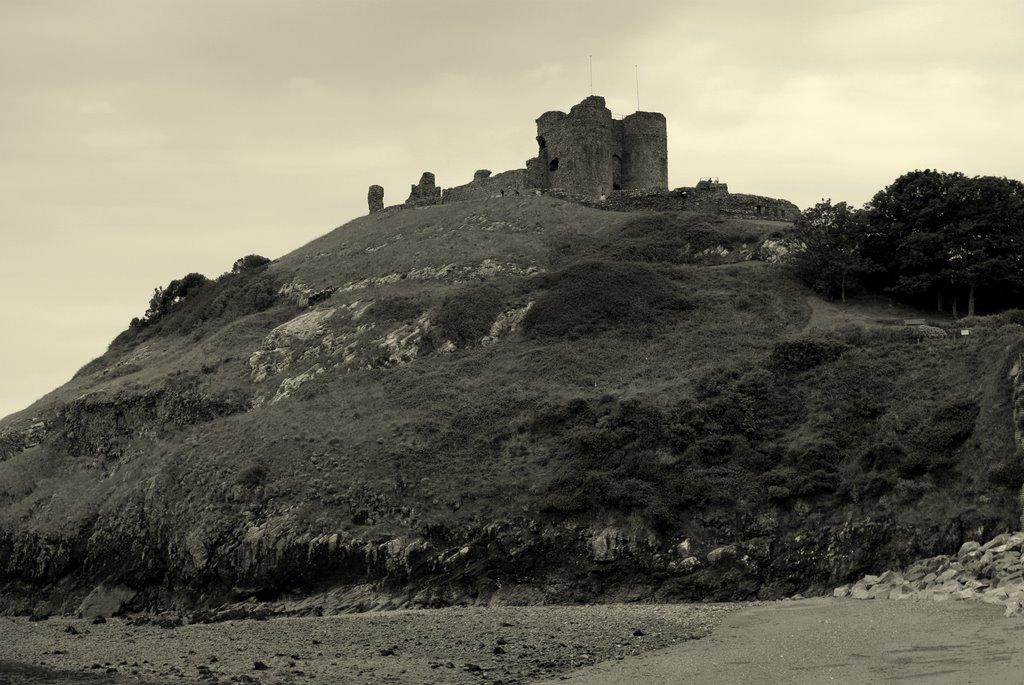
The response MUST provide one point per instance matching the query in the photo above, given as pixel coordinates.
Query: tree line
(931, 237)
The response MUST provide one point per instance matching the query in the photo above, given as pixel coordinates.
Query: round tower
(644, 151)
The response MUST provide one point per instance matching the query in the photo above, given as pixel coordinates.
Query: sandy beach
(802, 642)
(456, 645)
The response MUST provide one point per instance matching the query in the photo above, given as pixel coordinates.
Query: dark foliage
(466, 317)
(252, 476)
(186, 305)
(251, 262)
(396, 309)
(827, 248)
(165, 299)
(594, 297)
(793, 356)
(945, 238)
(672, 237)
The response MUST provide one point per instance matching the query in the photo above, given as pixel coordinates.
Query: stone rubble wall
(687, 199)
(425, 192)
(992, 573)
(482, 187)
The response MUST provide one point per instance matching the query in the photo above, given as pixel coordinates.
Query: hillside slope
(517, 400)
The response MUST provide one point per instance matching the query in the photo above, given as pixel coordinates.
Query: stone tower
(587, 152)
(644, 151)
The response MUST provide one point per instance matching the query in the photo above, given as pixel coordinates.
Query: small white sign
(965, 331)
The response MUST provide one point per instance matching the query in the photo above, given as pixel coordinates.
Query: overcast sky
(141, 139)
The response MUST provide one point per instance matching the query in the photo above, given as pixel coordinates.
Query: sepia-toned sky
(144, 139)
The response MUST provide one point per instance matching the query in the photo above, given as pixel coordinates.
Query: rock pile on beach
(992, 573)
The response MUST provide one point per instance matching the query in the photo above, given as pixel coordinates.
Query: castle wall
(644, 151)
(481, 187)
(714, 202)
(589, 157)
(425, 192)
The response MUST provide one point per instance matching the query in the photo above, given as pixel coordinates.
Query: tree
(985, 235)
(945, 235)
(249, 263)
(165, 298)
(826, 247)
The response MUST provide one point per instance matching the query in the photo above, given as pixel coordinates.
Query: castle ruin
(601, 160)
(588, 152)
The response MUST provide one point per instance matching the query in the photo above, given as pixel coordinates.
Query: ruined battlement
(601, 160)
(715, 201)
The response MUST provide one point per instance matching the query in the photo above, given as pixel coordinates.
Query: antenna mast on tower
(591, 74)
(636, 69)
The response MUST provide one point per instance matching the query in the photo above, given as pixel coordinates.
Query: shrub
(913, 466)
(949, 426)
(793, 356)
(249, 263)
(880, 456)
(165, 299)
(252, 476)
(394, 309)
(593, 297)
(466, 317)
(1008, 474)
(1011, 316)
(186, 304)
(672, 237)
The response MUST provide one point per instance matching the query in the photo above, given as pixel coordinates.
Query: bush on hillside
(187, 304)
(673, 237)
(794, 356)
(252, 476)
(164, 300)
(249, 263)
(467, 316)
(1008, 474)
(593, 297)
(395, 309)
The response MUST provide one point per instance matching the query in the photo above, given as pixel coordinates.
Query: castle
(598, 159)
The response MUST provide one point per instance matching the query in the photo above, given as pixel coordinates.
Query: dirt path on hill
(836, 641)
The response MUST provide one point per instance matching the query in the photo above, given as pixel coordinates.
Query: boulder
(859, 591)
(967, 548)
(106, 600)
(880, 591)
(722, 554)
(992, 573)
(1000, 539)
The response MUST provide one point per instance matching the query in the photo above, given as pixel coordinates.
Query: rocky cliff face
(1017, 379)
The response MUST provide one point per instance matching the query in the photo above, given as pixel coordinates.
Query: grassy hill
(517, 400)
